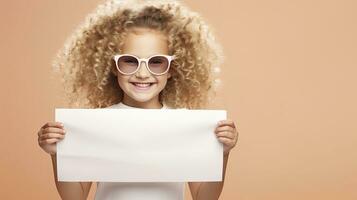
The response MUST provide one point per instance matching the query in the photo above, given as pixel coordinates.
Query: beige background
(288, 82)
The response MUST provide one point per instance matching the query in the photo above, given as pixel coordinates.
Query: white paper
(139, 145)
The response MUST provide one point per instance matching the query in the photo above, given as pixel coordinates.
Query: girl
(139, 54)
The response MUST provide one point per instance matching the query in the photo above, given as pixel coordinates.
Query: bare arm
(227, 134)
(70, 190)
(208, 190)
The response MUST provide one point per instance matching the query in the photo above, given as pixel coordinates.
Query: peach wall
(289, 82)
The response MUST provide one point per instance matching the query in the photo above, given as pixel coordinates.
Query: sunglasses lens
(128, 64)
(158, 64)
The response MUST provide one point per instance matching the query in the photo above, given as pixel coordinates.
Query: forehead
(144, 42)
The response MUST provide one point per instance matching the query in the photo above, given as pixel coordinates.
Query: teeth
(142, 84)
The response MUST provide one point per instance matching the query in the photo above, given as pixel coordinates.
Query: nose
(143, 71)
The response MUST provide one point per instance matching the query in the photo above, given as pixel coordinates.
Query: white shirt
(139, 190)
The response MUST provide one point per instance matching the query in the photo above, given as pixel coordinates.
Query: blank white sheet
(139, 145)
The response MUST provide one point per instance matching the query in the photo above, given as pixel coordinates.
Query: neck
(152, 104)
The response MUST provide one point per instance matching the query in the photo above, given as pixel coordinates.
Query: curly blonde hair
(87, 68)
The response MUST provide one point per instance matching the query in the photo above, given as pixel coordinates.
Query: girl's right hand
(48, 136)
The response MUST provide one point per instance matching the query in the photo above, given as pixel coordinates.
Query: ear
(168, 75)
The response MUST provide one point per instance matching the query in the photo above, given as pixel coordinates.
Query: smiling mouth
(142, 85)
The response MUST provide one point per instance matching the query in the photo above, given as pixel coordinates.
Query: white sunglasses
(128, 64)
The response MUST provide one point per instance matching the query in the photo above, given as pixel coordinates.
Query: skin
(155, 43)
(143, 43)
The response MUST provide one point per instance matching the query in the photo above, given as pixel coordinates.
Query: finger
(53, 130)
(226, 141)
(53, 124)
(226, 122)
(224, 128)
(51, 135)
(226, 134)
(39, 132)
(49, 141)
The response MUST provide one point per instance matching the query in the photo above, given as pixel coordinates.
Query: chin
(142, 97)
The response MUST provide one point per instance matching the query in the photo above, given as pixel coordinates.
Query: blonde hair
(87, 69)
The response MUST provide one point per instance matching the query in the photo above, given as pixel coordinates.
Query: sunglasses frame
(146, 60)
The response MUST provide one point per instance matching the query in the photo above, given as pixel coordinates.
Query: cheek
(163, 81)
(122, 81)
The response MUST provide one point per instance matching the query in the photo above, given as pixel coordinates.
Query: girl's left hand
(227, 134)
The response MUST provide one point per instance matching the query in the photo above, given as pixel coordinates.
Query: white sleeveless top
(139, 190)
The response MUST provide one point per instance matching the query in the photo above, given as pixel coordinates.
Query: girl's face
(143, 43)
